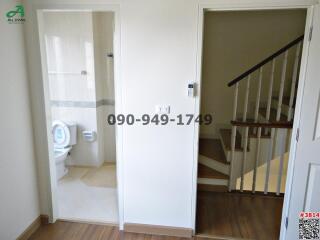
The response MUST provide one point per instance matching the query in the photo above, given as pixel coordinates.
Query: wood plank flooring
(62, 230)
(238, 215)
(220, 215)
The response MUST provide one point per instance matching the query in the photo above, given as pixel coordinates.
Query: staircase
(259, 136)
(213, 168)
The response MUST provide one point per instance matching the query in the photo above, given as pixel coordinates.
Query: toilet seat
(61, 134)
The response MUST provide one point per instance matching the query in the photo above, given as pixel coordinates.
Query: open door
(305, 195)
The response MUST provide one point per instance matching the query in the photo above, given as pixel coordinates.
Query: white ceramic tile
(78, 201)
(69, 52)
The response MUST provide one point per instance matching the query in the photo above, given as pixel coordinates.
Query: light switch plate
(162, 109)
(166, 109)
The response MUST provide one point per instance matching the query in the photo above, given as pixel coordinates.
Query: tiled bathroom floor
(89, 194)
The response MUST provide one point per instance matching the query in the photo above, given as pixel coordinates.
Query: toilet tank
(73, 133)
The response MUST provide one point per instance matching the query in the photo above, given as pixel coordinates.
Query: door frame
(253, 5)
(38, 10)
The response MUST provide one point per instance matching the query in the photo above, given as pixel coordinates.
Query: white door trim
(38, 9)
(205, 5)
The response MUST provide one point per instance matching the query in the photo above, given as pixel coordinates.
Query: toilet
(64, 137)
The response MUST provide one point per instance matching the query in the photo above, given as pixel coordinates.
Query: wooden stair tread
(212, 188)
(212, 148)
(226, 138)
(206, 172)
(273, 114)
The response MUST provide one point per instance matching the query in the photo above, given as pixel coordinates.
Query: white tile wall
(71, 50)
(103, 44)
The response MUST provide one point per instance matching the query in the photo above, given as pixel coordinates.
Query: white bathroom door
(305, 194)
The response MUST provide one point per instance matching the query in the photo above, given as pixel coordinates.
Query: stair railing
(271, 125)
(267, 125)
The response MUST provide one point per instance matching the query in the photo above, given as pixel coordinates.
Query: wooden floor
(62, 230)
(231, 215)
(238, 215)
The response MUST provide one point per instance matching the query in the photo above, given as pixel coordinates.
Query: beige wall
(18, 176)
(233, 43)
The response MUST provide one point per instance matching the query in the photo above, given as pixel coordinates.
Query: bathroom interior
(79, 61)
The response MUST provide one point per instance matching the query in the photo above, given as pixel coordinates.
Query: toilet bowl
(60, 156)
(64, 137)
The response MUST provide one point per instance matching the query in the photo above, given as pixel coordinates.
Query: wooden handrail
(264, 125)
(266, 60)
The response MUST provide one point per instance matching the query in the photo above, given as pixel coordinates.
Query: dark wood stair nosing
(211, 188)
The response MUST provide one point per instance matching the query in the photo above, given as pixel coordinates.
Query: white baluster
(294, 81)
(282, 152)
(245, 107)
(283, 78)
(270, 92)
(270, 156)
(235, 102)
(245, 137)
(233, 144)
(243, 163)
(254, 179)
(233, 135)
(256, 112)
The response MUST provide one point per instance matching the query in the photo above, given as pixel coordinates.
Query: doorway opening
(250, 73)
(79, 73)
